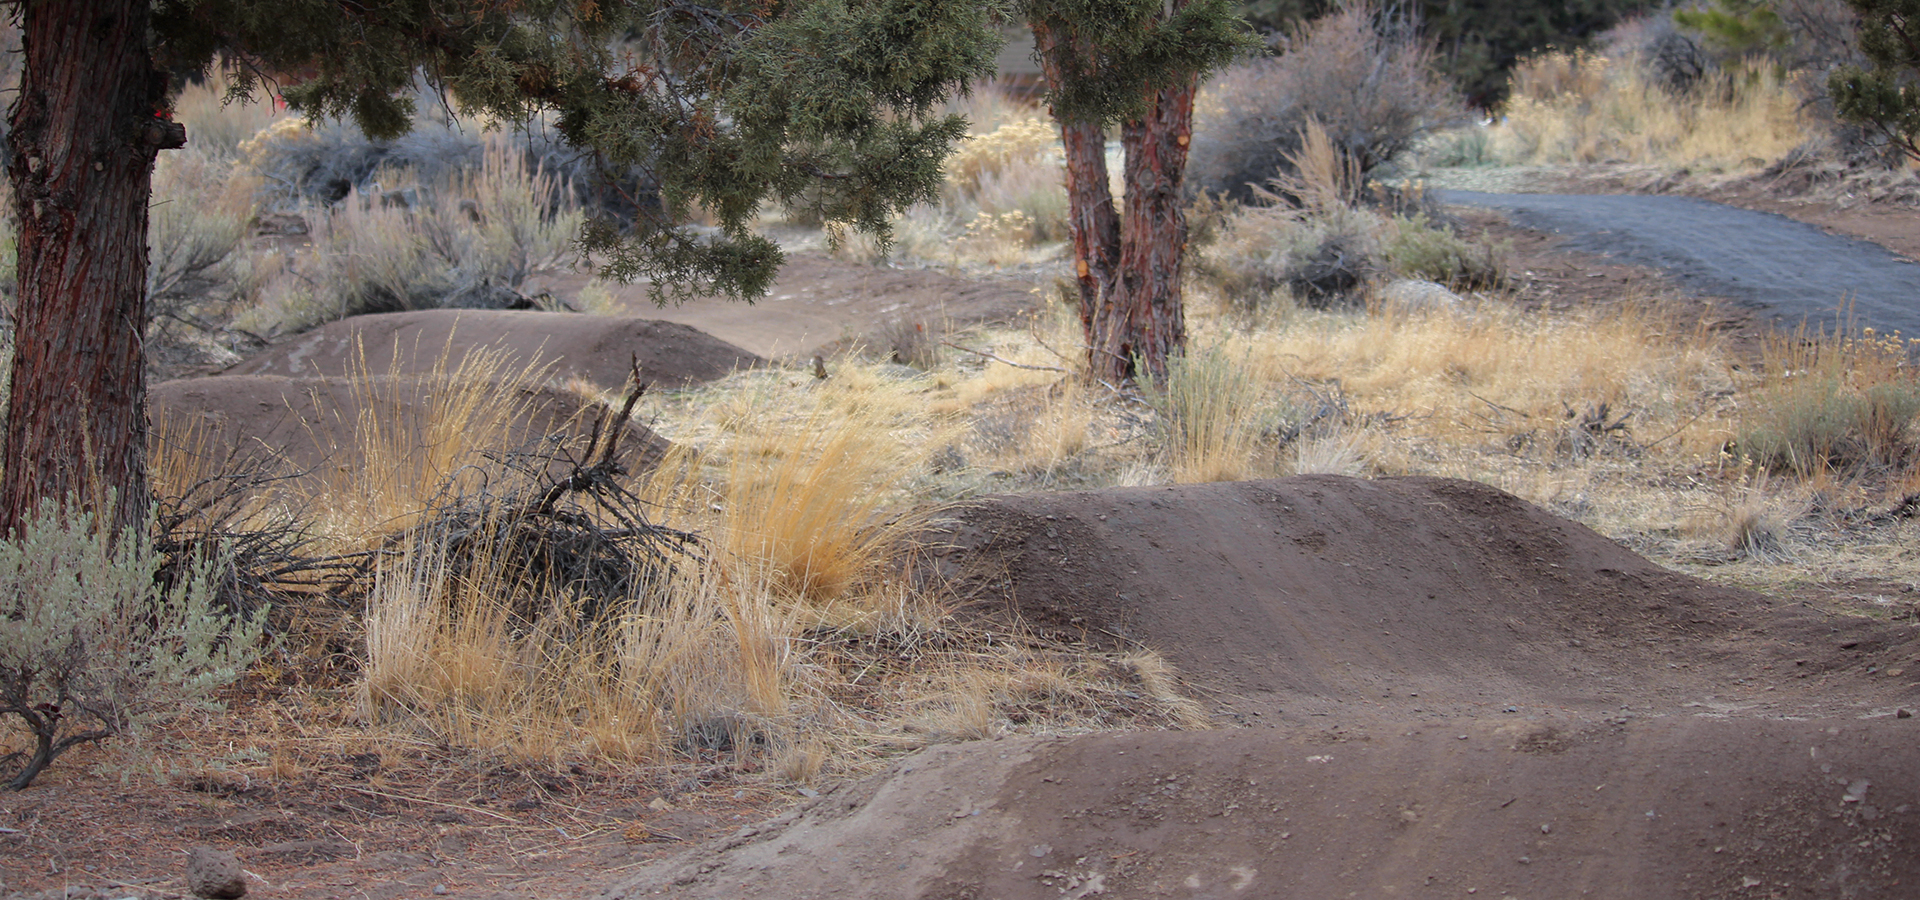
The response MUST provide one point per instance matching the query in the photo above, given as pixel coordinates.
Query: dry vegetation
(793, 633)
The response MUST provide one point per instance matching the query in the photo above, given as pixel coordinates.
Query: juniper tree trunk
(86, 128)
(1128, 268)
(1092, 223)
(1147, 317)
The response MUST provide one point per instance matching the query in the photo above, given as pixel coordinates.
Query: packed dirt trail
(1791, 269)
(1425, 687)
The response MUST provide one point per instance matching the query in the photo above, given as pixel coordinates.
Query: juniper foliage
(1885, 97)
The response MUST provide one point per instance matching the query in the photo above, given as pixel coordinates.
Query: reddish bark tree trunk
(1146, 317)
(85, 133)
(1128, 267)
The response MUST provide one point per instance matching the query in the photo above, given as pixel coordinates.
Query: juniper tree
(1135, 64)
(1887, 96)
(722, 103)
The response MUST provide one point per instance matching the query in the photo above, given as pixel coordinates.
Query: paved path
(1791, 269)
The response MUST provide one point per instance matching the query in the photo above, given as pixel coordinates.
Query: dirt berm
(1427, 687)
(599, 350)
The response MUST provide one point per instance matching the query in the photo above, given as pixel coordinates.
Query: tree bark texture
(1128, 268)
(86, 128)
(1145, 320)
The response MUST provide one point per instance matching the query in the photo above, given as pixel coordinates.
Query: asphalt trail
(1790, 269)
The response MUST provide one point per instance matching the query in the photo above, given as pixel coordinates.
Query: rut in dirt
(1791, 270)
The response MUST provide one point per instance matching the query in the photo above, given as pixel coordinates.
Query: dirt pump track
(1435, 690)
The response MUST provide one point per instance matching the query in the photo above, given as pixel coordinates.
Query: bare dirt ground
(822, 305)
(1424, 688)
(1427, 689)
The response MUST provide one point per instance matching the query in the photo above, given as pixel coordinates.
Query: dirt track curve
(1428, 689)
(1790, 269)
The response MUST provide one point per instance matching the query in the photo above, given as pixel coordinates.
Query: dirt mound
(1671, 808)
(1305, 593)
(597, 349)
(308, 422)
(819, 304)
(1446, 690)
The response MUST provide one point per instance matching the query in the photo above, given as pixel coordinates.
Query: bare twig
(1498, 406)
(999, 359)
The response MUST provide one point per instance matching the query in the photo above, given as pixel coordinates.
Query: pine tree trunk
(85, 133)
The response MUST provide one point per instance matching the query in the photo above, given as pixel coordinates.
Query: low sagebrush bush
(406, 243)
(1363, 74)
(92, 647)
(1834, 403)
(1414, 247)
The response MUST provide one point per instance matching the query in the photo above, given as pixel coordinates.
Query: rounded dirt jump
(599, 350)
(1430, 688)
(301, 424)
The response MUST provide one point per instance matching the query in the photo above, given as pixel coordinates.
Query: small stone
(215, 874)
(441, 889)
(1903, 714)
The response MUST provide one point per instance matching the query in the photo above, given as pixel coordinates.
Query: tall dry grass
(404, 243)
(408, 441)
(1211, 406)
(1583, 108)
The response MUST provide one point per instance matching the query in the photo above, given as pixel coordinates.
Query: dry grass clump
(1583, 108)
(1211, 406)
(1834, 404)
(464, 240)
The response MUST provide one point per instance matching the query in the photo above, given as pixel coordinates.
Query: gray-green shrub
(91, 646)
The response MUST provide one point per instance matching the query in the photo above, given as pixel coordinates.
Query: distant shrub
(1363, 73)
(463, 241)
(1014, 173)
(1586, 108)
(201, 217)
(92, 647)
(303, 164)
(1844, 404)
(1414, 247)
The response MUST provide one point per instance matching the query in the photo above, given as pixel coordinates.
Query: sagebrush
(91, 646)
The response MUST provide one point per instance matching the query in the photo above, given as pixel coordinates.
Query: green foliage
(1884, 97)
(1114, 55)
(1738, 27)
(828, 103)
(91, 646)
